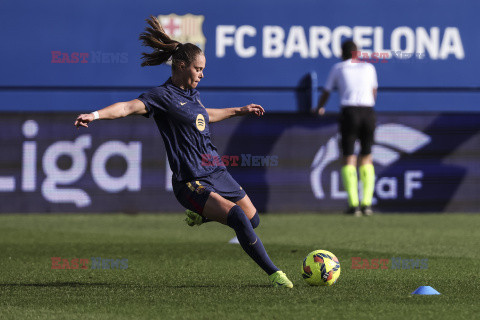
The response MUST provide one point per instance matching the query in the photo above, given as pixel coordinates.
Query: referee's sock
(350, 183)
(367, 176)
(250, 242)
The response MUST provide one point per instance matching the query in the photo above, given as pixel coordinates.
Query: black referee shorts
(357, 123)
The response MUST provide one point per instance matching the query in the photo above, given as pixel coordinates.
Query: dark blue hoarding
(286, 163)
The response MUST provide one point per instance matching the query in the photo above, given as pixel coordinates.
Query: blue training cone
(425, 290)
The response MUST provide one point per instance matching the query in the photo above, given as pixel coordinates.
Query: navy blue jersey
(183, 124)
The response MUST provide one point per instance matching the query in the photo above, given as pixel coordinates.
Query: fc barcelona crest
(186, 28)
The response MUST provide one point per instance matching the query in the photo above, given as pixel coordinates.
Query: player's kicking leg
(226, 212)
(279, 279)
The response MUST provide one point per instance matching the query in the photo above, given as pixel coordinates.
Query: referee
(357, 84)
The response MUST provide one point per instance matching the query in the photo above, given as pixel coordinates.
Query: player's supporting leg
(350, 183)
(367, 176)
(220, 209)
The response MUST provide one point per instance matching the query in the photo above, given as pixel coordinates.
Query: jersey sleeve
(155, 100)
(331, 80)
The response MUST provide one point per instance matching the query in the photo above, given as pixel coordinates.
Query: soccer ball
(320, 268)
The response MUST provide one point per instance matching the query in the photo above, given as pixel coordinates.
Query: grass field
(178, 272)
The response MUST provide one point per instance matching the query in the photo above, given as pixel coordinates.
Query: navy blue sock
(251, 244)
(255, 221)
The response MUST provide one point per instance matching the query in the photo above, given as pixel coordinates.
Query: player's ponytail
(164, 47)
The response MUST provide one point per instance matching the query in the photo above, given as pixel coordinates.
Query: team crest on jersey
(186, 28)
(200, 122)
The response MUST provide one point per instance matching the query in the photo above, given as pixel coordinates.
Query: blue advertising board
(286, 163)
(63, 55)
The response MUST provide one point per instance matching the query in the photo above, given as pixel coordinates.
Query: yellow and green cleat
(279, 279)
(193, 218)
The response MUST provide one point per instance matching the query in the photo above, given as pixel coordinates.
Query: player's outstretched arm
(114, 111)
(216, 115)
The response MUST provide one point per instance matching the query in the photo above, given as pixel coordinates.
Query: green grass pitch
(178, 272)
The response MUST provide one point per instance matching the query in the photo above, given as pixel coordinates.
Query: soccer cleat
(193, 218)
(279, 279)
(367, 210)
(355, 211)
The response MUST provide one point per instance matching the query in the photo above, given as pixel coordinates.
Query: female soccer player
(208, 192)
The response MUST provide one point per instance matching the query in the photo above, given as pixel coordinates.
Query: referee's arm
(329, 85)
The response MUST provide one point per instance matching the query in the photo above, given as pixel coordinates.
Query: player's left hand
(252, 108)
(83, 120)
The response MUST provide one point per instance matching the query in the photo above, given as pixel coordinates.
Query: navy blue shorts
(194, 194)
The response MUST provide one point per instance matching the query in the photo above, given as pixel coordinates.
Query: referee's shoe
(355, 211)
(367, 210)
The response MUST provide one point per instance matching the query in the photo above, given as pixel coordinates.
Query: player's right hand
(83, 120)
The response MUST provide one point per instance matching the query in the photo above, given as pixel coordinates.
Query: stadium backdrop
(59, 58)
